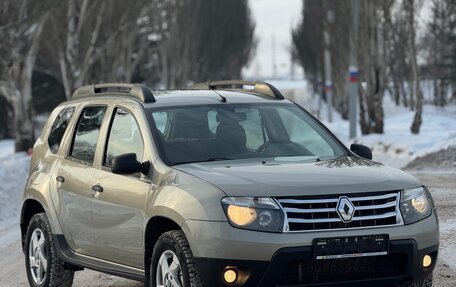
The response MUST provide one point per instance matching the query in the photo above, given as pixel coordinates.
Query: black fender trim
(66, 254)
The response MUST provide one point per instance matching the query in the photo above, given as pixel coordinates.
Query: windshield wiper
(217, 159)
(204, 160)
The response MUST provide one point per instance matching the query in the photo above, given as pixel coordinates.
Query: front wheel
(44, 268)
(172, 262)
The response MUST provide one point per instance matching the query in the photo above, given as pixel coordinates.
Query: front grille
(370, 210)
(339, 270)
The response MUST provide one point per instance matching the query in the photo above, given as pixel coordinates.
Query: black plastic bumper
(296, 267)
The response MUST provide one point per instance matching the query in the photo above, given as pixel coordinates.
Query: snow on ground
(13, 174)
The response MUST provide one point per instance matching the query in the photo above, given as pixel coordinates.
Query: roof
(206, 97)
(232, 91)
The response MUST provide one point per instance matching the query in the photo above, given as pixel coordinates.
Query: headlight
(416, 204)
(254, 213)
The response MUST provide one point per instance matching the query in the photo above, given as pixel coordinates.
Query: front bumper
(266, 256)
(295, 266)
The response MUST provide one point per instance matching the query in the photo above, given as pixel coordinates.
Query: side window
(161, 121)
(58, 128)
(124, 137)
(87, 132)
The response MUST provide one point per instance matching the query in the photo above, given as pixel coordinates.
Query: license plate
(349, 247)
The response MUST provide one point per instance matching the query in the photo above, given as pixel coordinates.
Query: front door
(118, 205)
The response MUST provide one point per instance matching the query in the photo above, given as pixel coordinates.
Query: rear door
(118, 207)
(74, 175)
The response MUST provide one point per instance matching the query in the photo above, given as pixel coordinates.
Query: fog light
(230, 276)
(427, 261)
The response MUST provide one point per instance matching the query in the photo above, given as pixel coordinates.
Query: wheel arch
(30, 207)
(155, 227)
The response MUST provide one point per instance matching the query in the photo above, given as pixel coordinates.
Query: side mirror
(361, 150)
(128, 164)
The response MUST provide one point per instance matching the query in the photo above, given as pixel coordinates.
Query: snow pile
(444, 159)
(13, 175)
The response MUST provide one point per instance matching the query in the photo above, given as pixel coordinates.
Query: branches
(81, 41)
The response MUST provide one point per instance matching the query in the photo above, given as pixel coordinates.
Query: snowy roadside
(13, 175)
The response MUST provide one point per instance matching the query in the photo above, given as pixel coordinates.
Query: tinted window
(124, 137)
(87, 132)
(58, 128)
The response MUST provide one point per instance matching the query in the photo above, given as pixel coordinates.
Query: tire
(43, 267)
(426, 282)
(173, 246)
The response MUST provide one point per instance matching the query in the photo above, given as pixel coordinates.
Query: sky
(274, 20)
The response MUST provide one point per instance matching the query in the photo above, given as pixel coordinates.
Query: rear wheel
(44, 268)
(172, 262)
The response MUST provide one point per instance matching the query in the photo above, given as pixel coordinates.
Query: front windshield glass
(239, 131)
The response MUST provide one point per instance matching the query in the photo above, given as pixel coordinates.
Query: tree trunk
(415, 83)
(23, 108)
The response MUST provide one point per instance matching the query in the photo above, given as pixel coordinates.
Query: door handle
(97, 188)
(60, 179)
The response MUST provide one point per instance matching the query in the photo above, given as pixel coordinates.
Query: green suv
(217, 185)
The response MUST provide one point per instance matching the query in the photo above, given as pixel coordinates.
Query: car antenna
(223, 99)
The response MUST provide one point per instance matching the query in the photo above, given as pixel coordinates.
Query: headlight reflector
(416, 204)
(241, 215)
(254, 213)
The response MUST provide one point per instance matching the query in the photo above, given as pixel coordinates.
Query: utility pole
(274, 63)
(353, 70)
(327, 59)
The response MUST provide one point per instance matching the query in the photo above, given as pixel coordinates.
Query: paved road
(442, 184)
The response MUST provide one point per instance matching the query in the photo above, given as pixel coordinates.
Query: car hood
(343, 175)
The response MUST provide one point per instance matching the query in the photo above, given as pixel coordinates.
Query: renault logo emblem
(345, 209)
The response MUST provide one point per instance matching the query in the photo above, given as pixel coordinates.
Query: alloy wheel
(169, 271)
(37, 256)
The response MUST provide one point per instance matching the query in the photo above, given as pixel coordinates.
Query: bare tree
(439, 45)
(227, 25)
(128, 25)
(205, 40)
(308, 43)
(21, 25)
(398, 56)
(78, 24)
(410, 7)
(372, 63)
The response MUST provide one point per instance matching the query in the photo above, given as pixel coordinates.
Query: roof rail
(258, 87)
(138, 91)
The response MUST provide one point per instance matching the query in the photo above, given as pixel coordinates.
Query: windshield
(238, 131)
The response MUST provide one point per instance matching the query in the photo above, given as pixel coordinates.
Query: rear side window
(124, 137)
(87, 132)
(58, 128)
